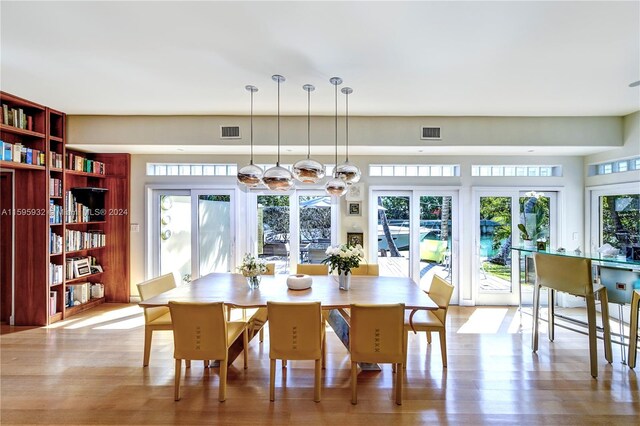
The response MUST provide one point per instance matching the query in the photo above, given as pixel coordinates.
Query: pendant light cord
(308, 124)
(335, 167)
(347, 124)
(278, 162)
(251, 127)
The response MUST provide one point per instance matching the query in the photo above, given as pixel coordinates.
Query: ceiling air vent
(430, 133)
(229, 132)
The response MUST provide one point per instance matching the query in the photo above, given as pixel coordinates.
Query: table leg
(340, 325)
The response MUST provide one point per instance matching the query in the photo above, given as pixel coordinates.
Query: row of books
(77, 294)
(76, 212)
(53, 302)
(56, 213)
(21, 154)
(55, 160)
(78, 240)
(16, 117)
(55, 243)
(82, 164)
(55, 187)
(55, 274)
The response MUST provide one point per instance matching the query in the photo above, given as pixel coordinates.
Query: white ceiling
(409, 58)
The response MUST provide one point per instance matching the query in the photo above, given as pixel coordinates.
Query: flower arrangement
(343, 257)
(252, 267)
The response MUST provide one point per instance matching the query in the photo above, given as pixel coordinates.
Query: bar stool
(573, 276)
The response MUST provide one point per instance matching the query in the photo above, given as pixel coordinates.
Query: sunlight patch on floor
(109, 316)
(484, 321)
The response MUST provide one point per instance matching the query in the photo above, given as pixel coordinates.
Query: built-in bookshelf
(65, 222)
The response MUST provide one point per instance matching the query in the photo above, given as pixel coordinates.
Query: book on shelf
(21, 154)
(55, 187)
(55, 274)
(16, 117)
(7, 151)
(55, 243)
(79, 240)
(80, 293)
(55, 160)
(55, 213)
(53, 302)
(82, 164)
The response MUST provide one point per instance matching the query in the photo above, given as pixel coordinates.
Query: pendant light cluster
(306, 170)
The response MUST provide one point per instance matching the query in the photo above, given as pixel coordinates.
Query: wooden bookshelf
(29, 185)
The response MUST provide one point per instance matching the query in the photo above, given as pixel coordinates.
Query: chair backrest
(377, 333)
(312, 269)
(295, 330)
(440, 292)
(366, 269)
(199, 330)
(271, 269)
(154, 287)
(568, 274)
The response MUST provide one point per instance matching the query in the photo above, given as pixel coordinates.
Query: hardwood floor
(88, 370)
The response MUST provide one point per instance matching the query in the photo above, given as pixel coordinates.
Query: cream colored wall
(364, 131)
(630, 148)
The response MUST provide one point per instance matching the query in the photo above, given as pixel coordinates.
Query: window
(524, 170)
(183, 169)
(618, 166)
(413, 170)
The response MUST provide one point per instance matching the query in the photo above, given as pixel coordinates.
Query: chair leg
(316, 392)
(324, 353)
(593, 348)
(187, 363)
(633, 330)
(399, 384)
(551, 310)
(536, 308)
(428, 337)
(176, 385)
(284, 363)
(222, 392)
(148, 334)
(406, 348)
(606, 327)
(443, 346)
(262, 334)
(354, 383)
(245, 343)
(272, 380)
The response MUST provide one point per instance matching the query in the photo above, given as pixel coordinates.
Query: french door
(192, 232)
(500, 276)
(415, 234)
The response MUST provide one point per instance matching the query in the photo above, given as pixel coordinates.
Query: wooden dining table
(233, 290)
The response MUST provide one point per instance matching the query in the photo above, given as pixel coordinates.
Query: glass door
(438, 238)
(314, 226)
(274, 230)
(192, 232)
(393, 233)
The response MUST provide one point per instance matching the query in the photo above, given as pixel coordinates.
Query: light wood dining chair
(377, 336)
(421, 320)
(201, 332)
(571, 275)
(633, 329)
(157, 318)
(296, 332)
(312, 269)
(370, 269)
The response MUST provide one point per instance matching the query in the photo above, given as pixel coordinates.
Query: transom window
(412, 170)
(516, 170)
(189, 169)
(618, 166)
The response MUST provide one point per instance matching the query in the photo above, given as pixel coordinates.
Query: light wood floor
(88, 370)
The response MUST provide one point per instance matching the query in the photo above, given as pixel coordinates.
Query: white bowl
(299, 282)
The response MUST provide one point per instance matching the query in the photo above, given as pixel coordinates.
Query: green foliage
(523, 230)
(620, 219)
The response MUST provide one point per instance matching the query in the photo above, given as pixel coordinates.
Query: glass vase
(344, 280)
(254, 282)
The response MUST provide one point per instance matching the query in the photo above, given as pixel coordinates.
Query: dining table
(233, 290)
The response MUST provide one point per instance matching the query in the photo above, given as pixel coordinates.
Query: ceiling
(401, 58)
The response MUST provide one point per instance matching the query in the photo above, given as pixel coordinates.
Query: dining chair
(312, 269)
(571, 275)
(296, 332)
(156, 318)
(370, 269)
(633, 329)
(377, 336)
(422, 320)
(200, 331)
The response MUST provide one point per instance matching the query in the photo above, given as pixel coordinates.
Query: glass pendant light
(336, 186)
(278, 178)
(250, 175)
(308, 170)
(347, 171)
